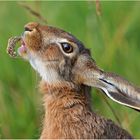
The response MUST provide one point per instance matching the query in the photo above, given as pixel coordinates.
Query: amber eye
(67, 48)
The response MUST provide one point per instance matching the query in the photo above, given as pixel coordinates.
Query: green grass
(112, 38)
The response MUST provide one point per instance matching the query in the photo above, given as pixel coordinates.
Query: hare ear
(120, 90)
(115, 87)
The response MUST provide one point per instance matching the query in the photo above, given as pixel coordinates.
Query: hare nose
(27, 29)
(30, 26)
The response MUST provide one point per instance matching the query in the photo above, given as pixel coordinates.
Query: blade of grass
(33, 12)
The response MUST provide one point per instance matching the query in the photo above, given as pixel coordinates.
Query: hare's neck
(62, 104)
(64, 94)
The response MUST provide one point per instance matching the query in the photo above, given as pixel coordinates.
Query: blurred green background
(113, 38)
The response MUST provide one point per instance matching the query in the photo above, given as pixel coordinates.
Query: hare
(67, 72)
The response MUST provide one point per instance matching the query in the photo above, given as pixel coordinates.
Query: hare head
(59, 57)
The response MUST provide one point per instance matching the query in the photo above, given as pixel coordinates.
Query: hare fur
(67, 72)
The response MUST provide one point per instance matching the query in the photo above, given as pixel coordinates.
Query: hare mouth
(22, 50)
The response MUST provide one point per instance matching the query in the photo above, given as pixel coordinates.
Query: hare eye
(67, 48)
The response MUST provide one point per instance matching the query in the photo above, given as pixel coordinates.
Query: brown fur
(68, 115)
(67, 104)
